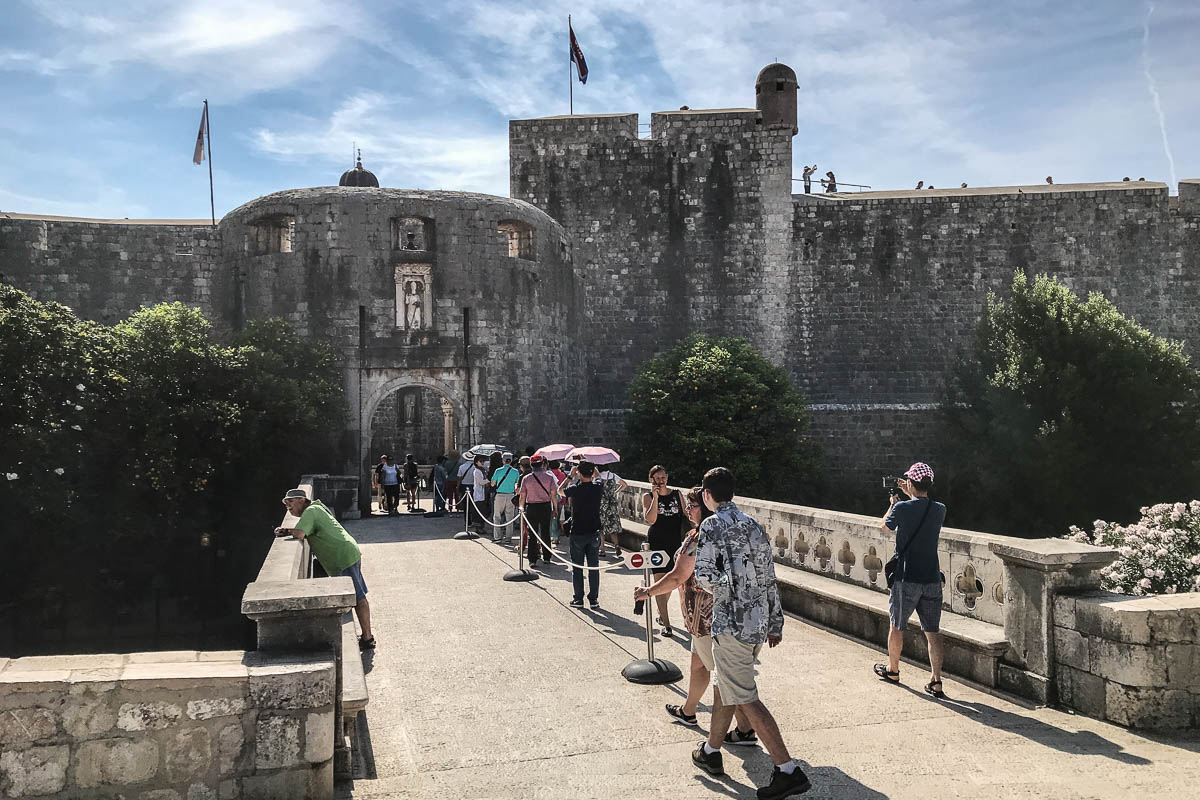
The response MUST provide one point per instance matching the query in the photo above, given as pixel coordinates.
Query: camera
(892, 484)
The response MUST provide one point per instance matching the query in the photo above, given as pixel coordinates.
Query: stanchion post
(521, 573)
(650, 669)
(466, 532)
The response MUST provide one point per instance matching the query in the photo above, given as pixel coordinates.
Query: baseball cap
(918, 471)
(536, 459)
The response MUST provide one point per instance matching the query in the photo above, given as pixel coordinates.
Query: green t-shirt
(330, 543)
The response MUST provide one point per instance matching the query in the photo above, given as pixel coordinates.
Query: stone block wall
(167, 726)
(1131, 660)
(105, 270)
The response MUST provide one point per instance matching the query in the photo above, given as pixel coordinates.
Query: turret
(775, 96)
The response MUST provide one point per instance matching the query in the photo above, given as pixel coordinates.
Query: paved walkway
(487, 689)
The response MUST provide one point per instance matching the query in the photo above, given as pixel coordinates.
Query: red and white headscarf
(918, 471)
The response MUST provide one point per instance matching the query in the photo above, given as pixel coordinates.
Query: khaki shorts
(734, 669)
(702, 647)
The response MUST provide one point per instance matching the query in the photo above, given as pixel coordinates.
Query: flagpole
(212, 205)
(570, 72)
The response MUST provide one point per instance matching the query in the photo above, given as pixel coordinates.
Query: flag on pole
(198, 156)
(577, 57)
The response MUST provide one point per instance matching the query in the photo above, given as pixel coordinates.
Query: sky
(100, 102)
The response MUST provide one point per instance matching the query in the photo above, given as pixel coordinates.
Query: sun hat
(918, 471)
(296, 494)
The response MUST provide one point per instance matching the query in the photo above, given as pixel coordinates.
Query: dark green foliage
(717, 402)
(148, 458)
(1065, 412)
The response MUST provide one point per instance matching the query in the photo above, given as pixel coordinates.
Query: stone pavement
(487, 689)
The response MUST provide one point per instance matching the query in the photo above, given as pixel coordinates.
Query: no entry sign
(654, 559)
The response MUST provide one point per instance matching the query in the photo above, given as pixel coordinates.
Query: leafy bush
(1160, 553)
(1066, 411)
(718, 402)
(149, 456)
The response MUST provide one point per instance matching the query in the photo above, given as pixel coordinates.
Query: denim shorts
(924, 598)
(354, 573)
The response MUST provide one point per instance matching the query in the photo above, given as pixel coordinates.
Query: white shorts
(734, 660)
(702, 647)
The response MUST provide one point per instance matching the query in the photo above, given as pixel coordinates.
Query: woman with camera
(697, 607)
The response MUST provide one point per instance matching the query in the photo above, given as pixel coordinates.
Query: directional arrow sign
(646, 558)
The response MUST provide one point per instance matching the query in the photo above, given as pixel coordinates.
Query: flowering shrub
(1160, 553)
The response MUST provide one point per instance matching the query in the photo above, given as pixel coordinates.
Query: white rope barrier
(551, 551)
(483, 516)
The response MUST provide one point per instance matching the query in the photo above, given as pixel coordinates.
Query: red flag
(577, 57)
(198, 156)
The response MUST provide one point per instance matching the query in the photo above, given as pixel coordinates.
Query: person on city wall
(537, 497)
(662, 507)
(334, 548)
(917, 584)
(437, 479)
(697, 607)
(412, 476)
(504, 503)
(585, 532)
(610, 516)
(735, 563)
(389, 476)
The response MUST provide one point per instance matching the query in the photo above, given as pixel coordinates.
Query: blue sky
(100, 102)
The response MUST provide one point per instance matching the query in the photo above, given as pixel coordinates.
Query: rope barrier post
(467, 533)
(521, 573)
(650, 669)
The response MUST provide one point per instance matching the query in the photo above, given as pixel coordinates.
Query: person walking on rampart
(610, 518)
(585, 532)
(538, 498)
(735, 563)
(504, 506)
(334, 548)
(479, 485)
(465, 489)
(830, 182)
(697, 607)
(807, 174)
(917, 584)
(662, 507)
(437, 478)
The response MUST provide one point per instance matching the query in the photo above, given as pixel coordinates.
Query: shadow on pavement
(1081, 742)
(826, 781)
(381, 529)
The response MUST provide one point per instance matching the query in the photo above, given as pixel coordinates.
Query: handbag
(893, 563)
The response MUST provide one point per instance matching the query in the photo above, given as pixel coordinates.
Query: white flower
(1144, 583)
(79, 408)
(79, 386)
(59, 471)
(76, 428)
(12, 476)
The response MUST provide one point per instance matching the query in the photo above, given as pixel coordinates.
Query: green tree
(1064, 412)
(710, 402)
(151, 455)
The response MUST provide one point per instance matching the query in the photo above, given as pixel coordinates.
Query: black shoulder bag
(893, 563)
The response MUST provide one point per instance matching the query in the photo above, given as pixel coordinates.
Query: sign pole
(650, 670)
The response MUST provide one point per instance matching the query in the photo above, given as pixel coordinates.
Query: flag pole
(212, 205)
(570, 72)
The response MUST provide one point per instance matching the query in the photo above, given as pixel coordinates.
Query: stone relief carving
(968, 585)
(846, 558)
(873, 564)
(414, 298)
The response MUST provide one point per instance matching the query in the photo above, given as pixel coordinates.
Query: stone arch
(396, 383)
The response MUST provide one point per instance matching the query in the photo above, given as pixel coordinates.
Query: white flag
(198, 156)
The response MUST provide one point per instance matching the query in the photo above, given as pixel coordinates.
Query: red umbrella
(554, 452)
(596, 455)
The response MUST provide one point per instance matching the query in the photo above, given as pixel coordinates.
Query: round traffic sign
(636, 560)
(657, 558)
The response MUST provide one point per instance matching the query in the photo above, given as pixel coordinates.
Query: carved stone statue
(410, 407)
(413, 290)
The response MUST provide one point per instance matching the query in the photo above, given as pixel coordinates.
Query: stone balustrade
(1021, 615)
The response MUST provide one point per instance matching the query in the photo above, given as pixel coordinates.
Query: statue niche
(414, 299)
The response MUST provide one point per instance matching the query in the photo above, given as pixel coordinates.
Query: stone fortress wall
(696, 229)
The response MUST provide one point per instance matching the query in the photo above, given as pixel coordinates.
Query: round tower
(775, 96)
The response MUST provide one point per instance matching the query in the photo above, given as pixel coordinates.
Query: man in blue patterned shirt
(734, 563)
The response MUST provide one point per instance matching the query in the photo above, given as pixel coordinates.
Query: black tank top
(669, 524)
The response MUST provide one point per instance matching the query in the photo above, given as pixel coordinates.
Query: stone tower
(775, 96)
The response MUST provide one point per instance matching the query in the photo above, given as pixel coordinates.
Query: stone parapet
(170, 725)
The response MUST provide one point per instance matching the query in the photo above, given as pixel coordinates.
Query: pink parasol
(553, 452)
(596, 455)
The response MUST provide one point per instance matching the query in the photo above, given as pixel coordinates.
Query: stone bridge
(485, 688)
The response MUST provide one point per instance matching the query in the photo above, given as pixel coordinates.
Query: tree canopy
(151, 452)
(710, 402)
(1066, 411)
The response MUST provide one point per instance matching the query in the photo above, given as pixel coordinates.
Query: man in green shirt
(334, 548)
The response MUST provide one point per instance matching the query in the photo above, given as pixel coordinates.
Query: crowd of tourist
(721, 563)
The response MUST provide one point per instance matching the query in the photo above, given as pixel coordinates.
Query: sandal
(938, 693)
(888, 677)
(686, 719)
(366, 644)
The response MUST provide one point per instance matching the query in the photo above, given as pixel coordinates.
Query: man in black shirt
(585, 531)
